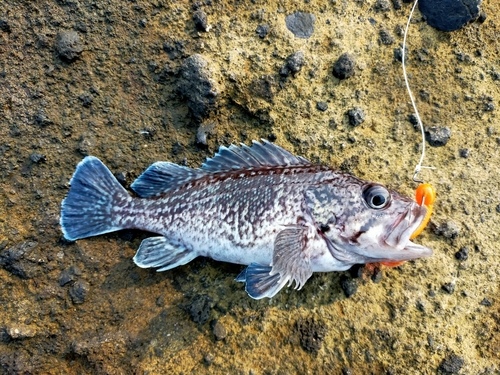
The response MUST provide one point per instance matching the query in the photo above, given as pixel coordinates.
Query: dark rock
(397, 4)
(68, 45)
(413, 120)
(197, 86)
(489, 107)
(321, 106)
(348, 285)
(452, 364)
(37, 158)
(482, 17)
(300, 24)
(201, 21)
(356, 116)
(86, 99)
(66, 277)
(437, 136)
(293, 64)
(347, 371)
(462, 254)
(485, 302)
(312, 333)
(344, 66)
(4, 26)
(200, 308)
(15, 260)
(209, 359)
(160, 301)
(41, 119)
(203, 131)
(464, 152)
(449, 15)
(448, 229)
(386, 37)
(382, 5)
(219, 330)
(121, 177)
(448, 287)
(398, 54)
(263, 30)
(377, 275)
(143, 23)
(78, 291)
(498, 208)
(86, 144)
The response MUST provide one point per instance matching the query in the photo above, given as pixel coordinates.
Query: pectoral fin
(290, 263)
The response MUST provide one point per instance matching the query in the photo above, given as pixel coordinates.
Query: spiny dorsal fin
(265, 154)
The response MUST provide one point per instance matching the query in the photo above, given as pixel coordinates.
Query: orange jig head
(425, 196)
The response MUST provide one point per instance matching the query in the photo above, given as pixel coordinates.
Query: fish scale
(259, 206)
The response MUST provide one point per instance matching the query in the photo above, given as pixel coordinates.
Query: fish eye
(376, 196)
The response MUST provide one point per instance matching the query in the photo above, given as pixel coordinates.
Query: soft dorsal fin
(265, 154)
(162, 177)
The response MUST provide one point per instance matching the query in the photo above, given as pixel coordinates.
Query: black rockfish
(260, 206)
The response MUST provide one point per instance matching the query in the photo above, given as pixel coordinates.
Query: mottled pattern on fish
(259, 206)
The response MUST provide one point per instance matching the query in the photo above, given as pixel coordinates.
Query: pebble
(348, 285)
(464, 153)
(219, 330)
(437, 136)
(37, 158)
(203, 131)
(344, 66)
(19, 332)
(197, 86)
(382, 5)
(78, 291)
(262, 30)
(462, 254)
(41, 119)
(448, 287)
(293, 64)
(201, 20)
(68, 45)
(15, 260)
(485, 302)
(448, 229)
(4, 26)
(452, 364)
(301, 24)
(449, 15)
(356, 116)
(321, 106)
(386, 37)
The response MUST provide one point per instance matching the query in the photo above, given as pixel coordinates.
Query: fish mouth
(398, 238)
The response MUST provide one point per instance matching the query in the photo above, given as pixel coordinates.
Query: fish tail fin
(88, 210)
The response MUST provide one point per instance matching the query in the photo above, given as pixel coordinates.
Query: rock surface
(133, 94)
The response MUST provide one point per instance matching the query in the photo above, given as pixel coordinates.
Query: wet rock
(448, 229)
(293, 64)
(200, 20)
(197, 86)
(348, 285)
(203, 131)
(462, 254)
(300, 24)
(68, 45)
(437, 136)
(386, 37)
(312, 333)
(15, 260)
(448, 288)
(219, 330)
(344, 66)
(452, 364)
(37, 158)
(5, 26)
(263, 30)
(321, 106)
(356, 116)
(200, 308)
(78, 291)
(449, 15)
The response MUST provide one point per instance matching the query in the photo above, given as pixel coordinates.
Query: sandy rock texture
(134, 82)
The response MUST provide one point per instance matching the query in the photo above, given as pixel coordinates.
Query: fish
(260, 206)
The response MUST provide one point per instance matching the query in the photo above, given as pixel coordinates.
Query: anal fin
(160, 252)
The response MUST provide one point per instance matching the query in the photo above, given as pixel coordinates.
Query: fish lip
(405, 226)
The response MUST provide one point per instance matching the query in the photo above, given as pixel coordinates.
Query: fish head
(365, 222)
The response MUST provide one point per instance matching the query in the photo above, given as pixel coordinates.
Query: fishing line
(419, 166)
